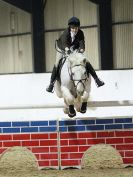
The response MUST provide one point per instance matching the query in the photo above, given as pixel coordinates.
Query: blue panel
(39, 123)
(52, 122)
(29, 129)
(113, 126)
(84, 122)
(104, 121)
(95, 127)
(48, 129)
(67, 122)
(11, 130)
(5, 124)
(63, 129)
(128, 126)
(123, 120)
(76, 128)
(20, 124)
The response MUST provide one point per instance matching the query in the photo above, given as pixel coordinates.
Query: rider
(72, 37)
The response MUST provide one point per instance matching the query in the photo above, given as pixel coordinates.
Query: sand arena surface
(20, 162)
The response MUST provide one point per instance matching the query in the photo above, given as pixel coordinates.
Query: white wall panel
(123, 46)
(86, 11)
(57, 13)
(50, 49)
(91, 40)
(16, 52)
(16, 55)
(122, 10)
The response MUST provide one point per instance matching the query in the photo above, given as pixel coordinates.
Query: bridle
(82, 81)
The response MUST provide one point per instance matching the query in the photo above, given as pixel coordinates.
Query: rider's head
(74, 24)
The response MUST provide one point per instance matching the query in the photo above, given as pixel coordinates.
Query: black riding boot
(91, 70)
(52, 80)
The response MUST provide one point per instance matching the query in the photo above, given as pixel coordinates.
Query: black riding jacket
(66, 41)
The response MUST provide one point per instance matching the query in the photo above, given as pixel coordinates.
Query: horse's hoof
(72, 115)
(72, 111)
(83, 107)
(83, 111)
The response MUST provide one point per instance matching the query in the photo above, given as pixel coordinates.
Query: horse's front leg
(69, 101)
(85, 97)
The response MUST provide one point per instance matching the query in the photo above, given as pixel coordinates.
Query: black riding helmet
(74, 21)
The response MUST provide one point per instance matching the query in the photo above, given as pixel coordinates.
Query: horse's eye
(72, 74)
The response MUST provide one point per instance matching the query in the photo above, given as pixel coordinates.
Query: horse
(74, 85)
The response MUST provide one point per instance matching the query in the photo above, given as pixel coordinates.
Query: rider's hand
(81, 51)
(68, 52)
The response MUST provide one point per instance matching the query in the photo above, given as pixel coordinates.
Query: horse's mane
(76, 58)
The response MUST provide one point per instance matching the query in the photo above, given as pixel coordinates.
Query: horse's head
(78, 72)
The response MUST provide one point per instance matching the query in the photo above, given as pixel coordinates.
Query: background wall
(15, 40)
(16, 33)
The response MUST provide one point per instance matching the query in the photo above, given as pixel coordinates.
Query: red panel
(87, 135)
(49, 156)
(63, 142)
(40, 149)
(11, 143)
(44, 163)
(70, 162)
(64, 156)
(128, 160)
(21, 136)
(105, 134)
(48, 143)
(114, 140)
(123, 133)
(129, 154)
(69, 149)
(53, 149)
(39, 136)
(30, 143)
(54, 162)
(95, 141)
(124, 147)
(76, 155)
(83, 148)
(5, 137)
(128, 140)
(78, 142)
(53, 135)
(68, 135)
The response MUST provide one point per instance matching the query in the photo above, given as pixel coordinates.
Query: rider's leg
(52, 80)
(54, 73)
(91, 70)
